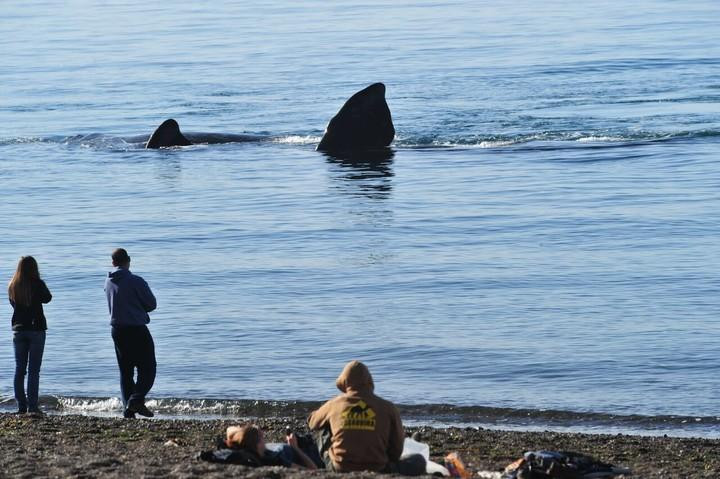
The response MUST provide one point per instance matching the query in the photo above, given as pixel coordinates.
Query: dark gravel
(81, 446)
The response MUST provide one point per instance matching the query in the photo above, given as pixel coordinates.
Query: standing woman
(27, 293)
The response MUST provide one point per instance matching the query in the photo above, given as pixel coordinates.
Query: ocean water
(543, 237)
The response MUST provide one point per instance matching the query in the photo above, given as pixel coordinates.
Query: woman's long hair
(243, 437)
(20, 286)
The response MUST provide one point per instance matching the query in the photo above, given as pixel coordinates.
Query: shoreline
(91, 446)
(417, 415)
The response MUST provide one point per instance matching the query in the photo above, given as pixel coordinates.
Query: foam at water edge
(592, 139)
(297, 139)
(436, 415)
(89, 405)
(109, 142)
(22, 140)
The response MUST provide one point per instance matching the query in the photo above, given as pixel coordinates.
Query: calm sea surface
(544, 236)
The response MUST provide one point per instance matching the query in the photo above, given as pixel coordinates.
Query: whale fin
(364, 122)
(167, 134)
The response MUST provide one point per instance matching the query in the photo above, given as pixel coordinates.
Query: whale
(363, 123)
(168, 134)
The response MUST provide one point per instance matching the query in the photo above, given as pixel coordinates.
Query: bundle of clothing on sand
(561, 465)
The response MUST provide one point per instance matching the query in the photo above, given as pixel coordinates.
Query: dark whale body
(169, 134)
(363, 123)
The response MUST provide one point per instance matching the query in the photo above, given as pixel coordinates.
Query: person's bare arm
(292, 441)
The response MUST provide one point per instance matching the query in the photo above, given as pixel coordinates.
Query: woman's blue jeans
(29, 347)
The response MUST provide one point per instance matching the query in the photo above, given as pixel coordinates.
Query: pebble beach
(86, 446)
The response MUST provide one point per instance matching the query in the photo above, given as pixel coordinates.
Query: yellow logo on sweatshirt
(359, 417)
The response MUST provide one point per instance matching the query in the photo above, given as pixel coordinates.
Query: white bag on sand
(412, 446)
(433, 468)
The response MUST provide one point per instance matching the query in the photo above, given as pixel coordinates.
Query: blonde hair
(243, 437)
(20, 286)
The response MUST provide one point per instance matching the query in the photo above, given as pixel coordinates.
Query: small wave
(183, 407)
(546, 139)
(598, 139)
(23, 140)
(84, 405)
(99, 141)
(444, 415)
(460, 143)
(548, 416)
(297, 139)
(495, 144)
(550, 138)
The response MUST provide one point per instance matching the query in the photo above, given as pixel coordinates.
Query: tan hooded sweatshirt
(367, 432)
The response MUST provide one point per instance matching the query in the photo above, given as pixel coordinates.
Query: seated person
(365, 431)
(250, 440)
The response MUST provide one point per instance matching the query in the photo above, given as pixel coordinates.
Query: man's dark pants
(135, 349)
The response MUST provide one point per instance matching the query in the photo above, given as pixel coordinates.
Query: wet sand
(83, 447)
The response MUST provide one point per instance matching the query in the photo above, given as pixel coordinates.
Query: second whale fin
(167, 134)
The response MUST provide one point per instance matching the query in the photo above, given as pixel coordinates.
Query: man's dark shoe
(128, 414)
(144, 411)
(140, 408)
(35, 412)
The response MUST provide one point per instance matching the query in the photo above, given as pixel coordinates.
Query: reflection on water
(168, 170)
(365, 178)
(366, 173)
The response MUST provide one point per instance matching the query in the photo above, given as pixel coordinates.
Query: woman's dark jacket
(32, 318)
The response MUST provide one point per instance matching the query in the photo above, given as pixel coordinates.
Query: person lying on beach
(250, 440)
(362, 431)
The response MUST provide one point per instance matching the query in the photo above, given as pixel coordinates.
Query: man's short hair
(120, 256)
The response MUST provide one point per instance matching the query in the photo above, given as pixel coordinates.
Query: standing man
(129, 301)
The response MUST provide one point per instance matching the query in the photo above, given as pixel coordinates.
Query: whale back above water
(167, 134)
(364, 122)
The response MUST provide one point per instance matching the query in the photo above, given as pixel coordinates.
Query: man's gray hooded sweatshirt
(129, 299)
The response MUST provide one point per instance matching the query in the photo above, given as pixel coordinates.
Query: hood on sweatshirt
(118, 274)
(355, 377)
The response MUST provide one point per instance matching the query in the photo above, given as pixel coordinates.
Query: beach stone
(93, 447)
